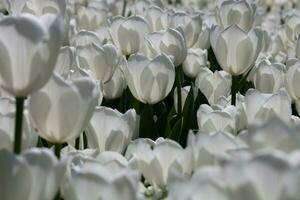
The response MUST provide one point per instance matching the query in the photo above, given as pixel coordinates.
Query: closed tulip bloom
(61, 110)
(216, 118)
(291, 79)
(84, 38)
(101, 60)
(110, 130)
(292, 27)
(203, 41)
(157, 18)
(128, 33)
(170, 42)
(231, 12)
(149, 81)
(65, 61)
(262, 106)
(269, 78)
(90, 19)
(235, 49)
(190, 24)
(213, 85)
(195, 59)
(29, 49)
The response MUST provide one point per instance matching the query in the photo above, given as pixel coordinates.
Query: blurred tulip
(232, 12)
(150, 81)
(15, 172)
(262, 106)
(213, 85)
(28, 55)
(65, 61)
(269, 77)
(170, 42)
(128, 33)
(85, 38)
(90, 19)
(292, 27)
(195, 59)
(101, 60)
(216, 118)
(109, 130)
(291, 78)
(61, 110)
(156, 160)
(190, 24)
(235, 49)
(7, 125)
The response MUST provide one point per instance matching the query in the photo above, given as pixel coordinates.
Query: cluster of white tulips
(149, 99)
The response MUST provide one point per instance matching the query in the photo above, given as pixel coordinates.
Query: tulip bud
(115, 130)
(269, 78)
(216, 118)
(195, 59)
(149, 81)
(101, 60)
(128, 33)
(235, 49)
(232, 12)
(213, 85)
(291, 79)
(28, 55)
(262, 106)
(191, 26)
(61, 110)
(203, 41)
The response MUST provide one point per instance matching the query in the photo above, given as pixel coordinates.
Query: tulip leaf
(176, 130)
(214, 65)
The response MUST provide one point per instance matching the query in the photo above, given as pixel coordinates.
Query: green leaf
(176, 130)
(147, 124)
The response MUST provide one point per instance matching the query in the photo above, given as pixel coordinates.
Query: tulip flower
(291, 79)
(101, 60)
(235, 50)
(128, 34)
(216, 118)
(157, 18)
(61, 110)
(90, 19)
(149, 81)
(298, 48)
(27, 58)
(184, 93)
(190, 24)
(85, 38)
(262, 106)
(65, 61)
(213, 85)
(292, 27)
(195, 59)
(156, 160)
(109, 130)
(232, 12)
(268, 77)
(170, 42)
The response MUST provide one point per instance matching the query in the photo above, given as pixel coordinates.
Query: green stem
(77, 142)
(124, 8)
(234, 89)
(57, 148)
(178, 85)
(18, 124)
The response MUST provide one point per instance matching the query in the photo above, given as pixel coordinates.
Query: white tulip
(90, 19)
(213, 85)
(262, 106)
(109, 130)
(14, 171)
(190, 24)
(235, 49)
(157, 18)
(150, 81)
(85, 38)
(65, 61)
(116, 85)
(61, 110)
(203, 41)
(101, 60)
(216, 118)
(195, 59)
(7, 125)
(298, 48)
(158, 160)
(292, 26)
(291, 79)
(170, 42)
(184, 93)
(28, 55)
(232, 12)
(269, 77)
(128, 33)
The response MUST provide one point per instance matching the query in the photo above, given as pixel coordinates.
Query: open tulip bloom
(149, 99)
